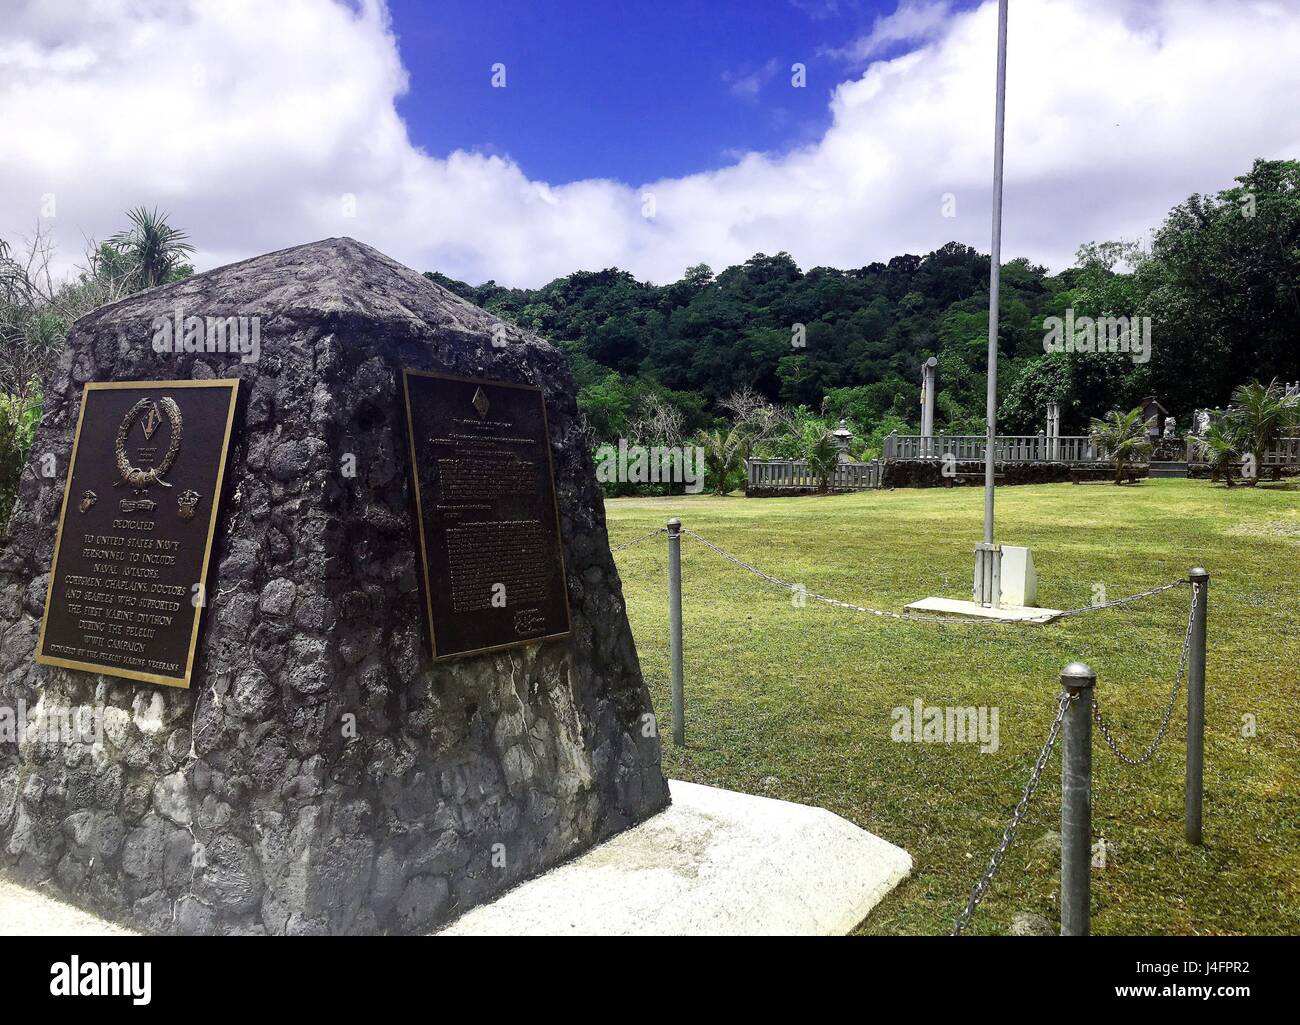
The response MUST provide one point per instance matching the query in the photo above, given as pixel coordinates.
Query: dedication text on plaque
(492, 567)
(129, 578)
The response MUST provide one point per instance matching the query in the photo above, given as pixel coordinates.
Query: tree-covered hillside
(1220, 281)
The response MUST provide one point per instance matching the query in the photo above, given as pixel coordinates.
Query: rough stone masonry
(321, 776)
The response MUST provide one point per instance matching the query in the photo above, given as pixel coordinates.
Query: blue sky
(632, 91)
(645, 136)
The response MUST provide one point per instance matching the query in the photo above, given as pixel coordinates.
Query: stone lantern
(843, 436)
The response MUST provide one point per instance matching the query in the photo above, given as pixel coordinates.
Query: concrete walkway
(26, 912)
(715, 863)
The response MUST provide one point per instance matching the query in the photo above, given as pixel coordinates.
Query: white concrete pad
(25, 912)
(715, 862)
(952, 606)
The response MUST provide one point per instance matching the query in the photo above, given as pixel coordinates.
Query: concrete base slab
(953, 606)
(25, 912)
(715, 862)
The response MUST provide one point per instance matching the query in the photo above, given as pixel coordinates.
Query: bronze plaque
(130, 565)
(490, 554)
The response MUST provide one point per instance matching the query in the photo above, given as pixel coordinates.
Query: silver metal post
(1076, 800)
(1196, 706)
(675, 628)
(995, 271)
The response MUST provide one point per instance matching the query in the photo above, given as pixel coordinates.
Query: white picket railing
(793, 474)
(1284, 452)
(1007, 448)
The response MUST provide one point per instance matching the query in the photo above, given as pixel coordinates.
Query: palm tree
(1220, 447)
(154, 248)
(1259, 415)
(723, 454)
(1123, 437)
(822, 452)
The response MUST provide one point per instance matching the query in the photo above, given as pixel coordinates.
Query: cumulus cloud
(260, 126)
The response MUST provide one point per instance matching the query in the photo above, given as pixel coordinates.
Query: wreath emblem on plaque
(153, 413)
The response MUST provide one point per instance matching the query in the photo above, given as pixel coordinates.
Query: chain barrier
(638, 540)
(1063, 702)
(1009, 834)
(913, 617)
(1104, 727)
(1123, 601)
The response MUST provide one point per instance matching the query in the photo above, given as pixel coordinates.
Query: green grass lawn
(795, 703)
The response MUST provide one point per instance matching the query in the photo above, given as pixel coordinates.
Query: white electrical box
(1019, 581)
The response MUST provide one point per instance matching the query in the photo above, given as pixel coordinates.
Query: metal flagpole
(995, 269)
(987, 589)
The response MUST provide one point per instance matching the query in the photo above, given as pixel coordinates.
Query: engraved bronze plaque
(490, 554)
(135, 531)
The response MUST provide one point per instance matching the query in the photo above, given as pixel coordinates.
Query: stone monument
(1053, 433)
(1154, 414)
(843, 435)
(353, 658)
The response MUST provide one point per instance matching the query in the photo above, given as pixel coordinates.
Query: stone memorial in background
(401, 699)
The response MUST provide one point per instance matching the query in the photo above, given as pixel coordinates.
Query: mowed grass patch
(796, 703)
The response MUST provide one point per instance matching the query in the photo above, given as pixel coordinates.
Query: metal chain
(1104, 727)
(982, 886)
(638, 540)
(1124, 601)
(821, 597)
(907, 616)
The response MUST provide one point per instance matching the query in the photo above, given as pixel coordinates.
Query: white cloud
(913, 21)
(747, 83)
(249, 122)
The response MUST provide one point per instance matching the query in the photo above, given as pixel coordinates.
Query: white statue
(1170, 427)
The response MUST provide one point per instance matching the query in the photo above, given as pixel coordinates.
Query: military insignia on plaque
(138, 477)
(120, 590)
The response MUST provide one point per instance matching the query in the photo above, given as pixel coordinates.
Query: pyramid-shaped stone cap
(332, 277)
